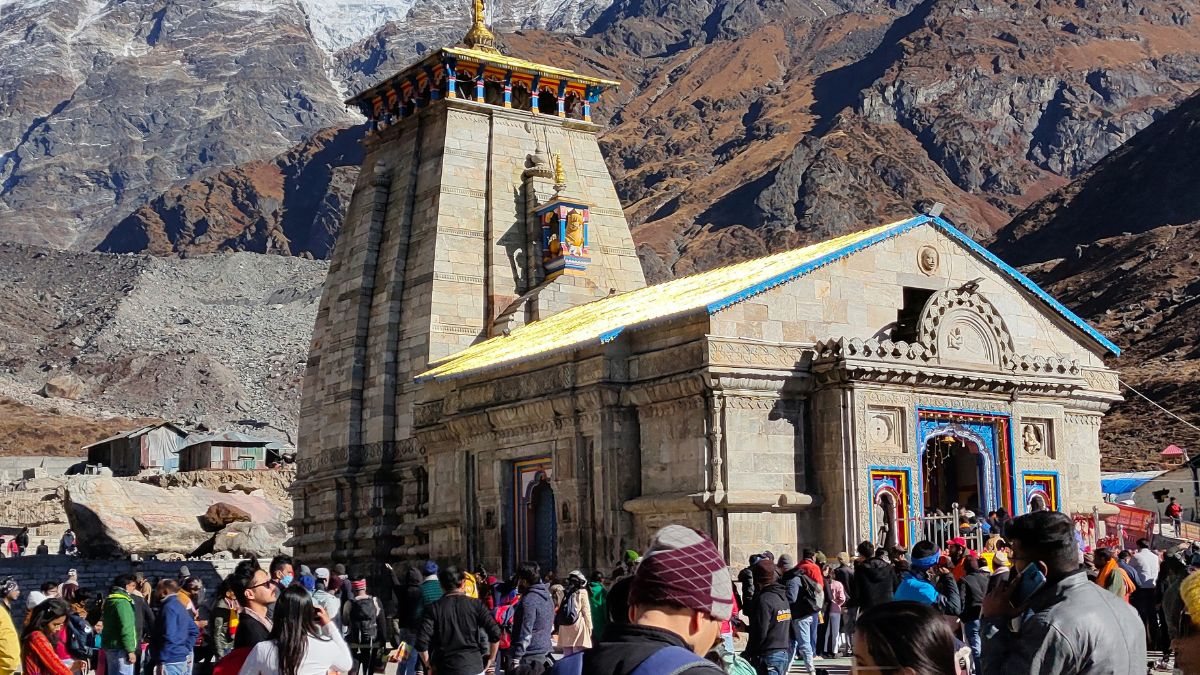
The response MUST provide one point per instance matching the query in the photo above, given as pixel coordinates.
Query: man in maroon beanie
(680, 594)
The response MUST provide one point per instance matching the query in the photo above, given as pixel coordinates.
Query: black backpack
(364, 621)
(809, 598)
(81, 639)
(568, 611)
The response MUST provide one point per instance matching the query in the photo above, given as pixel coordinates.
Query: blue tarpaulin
(1124, 483)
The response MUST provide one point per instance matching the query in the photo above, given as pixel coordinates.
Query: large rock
(252, 540)
(63, 386)
(221, 514)
(116, 518)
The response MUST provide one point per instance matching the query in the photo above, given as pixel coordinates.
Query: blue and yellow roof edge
(474, 358)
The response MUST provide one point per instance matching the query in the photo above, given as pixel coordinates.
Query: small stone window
(908, 319)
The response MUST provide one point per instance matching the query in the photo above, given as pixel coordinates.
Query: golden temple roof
(517, 63)
(602, 320)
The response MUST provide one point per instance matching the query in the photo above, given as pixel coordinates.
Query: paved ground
(827, 666)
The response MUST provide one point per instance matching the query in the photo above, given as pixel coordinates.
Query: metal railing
(940, 529)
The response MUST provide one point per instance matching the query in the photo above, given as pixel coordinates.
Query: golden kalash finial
(479, 37)
(560, 176)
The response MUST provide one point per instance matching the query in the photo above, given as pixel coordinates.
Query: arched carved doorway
(1037, 503)
(886, 517)
(965, 458)
(955, 471)
(530, 530)
(543, 525)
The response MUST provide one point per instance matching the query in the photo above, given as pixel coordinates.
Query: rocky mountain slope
(104, 104)
(794, 129)
(1122, 245)
(290, 205)
(111, 106)
(742, 127)
(219, 340)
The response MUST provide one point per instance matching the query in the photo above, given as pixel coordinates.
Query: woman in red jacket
(40, 638)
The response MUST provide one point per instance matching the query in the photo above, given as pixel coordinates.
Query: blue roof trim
(611, 335)
(1028, 284)
(811, 265)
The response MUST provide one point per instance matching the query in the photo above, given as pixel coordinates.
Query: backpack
(364, 621)
(736, 665)
(666, 661)
(503, 614)
(809, 599)
(81, 639)
(568, 611)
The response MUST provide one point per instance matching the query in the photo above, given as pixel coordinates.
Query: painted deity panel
(565, 236)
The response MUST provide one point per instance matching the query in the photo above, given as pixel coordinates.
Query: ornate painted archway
(891, 484)
(989, 432)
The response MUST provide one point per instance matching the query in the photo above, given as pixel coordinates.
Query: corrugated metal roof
(234, 437)
(603, 320)
(134, 433)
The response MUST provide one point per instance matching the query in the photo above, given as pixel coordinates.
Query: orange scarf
(1106, 576)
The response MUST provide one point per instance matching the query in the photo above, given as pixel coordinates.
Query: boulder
(63, 386)
(252, 540)
(221, 514)
(115, 518)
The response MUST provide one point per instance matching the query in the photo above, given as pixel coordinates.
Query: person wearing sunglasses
(255, 592)
(1066, 625)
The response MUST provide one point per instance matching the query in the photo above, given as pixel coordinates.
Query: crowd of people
(1033, 601)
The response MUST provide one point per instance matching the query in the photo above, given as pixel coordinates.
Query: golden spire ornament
(560, 176)
(479, 37)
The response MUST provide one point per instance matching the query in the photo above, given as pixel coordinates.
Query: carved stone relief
(960, 325)
(928, 260)
(885, 429)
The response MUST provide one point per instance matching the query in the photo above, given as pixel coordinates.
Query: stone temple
(491, 380)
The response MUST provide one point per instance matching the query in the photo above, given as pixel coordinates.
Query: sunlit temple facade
(491, 380)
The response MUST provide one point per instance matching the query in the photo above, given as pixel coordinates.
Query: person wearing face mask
(1067, 625)
(282, 575)
(680, 594)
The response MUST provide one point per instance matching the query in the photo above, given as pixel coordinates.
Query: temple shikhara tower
(491, 381)
(483, 204)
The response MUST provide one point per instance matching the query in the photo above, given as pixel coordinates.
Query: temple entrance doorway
(543, 526)
(886, 517)
(954, 473)
(530, 529)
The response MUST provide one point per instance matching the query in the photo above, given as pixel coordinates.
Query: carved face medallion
(928, 259)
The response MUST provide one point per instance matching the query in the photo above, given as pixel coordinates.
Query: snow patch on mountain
(339, 23)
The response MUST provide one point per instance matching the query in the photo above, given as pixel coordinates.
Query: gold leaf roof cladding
(602, 320)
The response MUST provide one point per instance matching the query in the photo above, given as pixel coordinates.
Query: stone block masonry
(30, 572)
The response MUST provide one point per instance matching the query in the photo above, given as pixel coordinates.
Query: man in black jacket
(770, 644)
(680, 594)
(874, 578)
(453, 630)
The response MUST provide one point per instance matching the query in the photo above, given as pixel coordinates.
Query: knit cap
(684, 567)
(764, 573)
